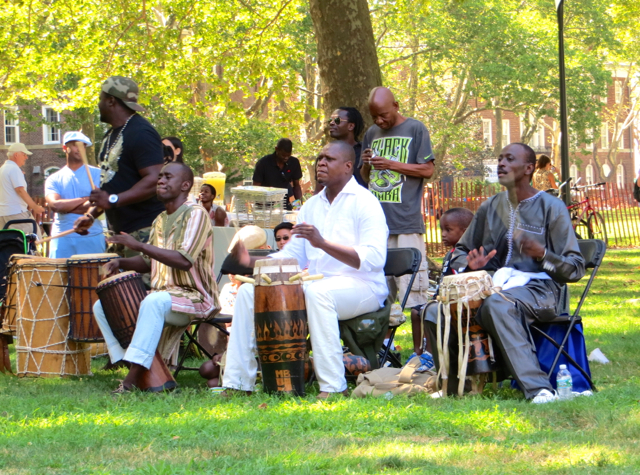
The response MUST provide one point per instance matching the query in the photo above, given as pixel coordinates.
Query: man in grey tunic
(525, 236)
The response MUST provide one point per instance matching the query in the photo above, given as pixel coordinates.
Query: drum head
(114, 278)
(93, 257)
(41, 261)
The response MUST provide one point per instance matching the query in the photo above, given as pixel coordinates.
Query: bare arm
(552, 181)
(141, 191)
(419, 170)
(297, 190)
(22, 193)
(60, 205)
(137, 264)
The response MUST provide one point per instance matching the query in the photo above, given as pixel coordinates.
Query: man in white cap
(14, 198)
(67, 192)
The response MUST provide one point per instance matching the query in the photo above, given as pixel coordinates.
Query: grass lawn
(75, 426)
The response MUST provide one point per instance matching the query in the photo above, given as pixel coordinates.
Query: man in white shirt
(14, 198)
(342, 234)
(67, 192)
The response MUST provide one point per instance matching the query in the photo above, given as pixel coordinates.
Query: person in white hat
(14, 198)
(67, 193)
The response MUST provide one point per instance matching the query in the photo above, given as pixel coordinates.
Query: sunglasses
(283, 238)
(337, 120)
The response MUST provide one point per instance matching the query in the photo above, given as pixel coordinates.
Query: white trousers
(327, 301)
(398, 285)
(155, 311)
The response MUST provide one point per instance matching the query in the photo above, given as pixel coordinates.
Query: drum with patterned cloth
(121, 296)
(42, 322)
(280, 325)
(460, 297)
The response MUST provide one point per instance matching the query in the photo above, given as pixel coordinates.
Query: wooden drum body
(42, 322)
(121, 296)
(84, 276)
(8, 310)
(281, 326)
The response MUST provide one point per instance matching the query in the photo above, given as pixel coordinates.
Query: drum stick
(83, 154)
(62, 234)
(313, 277)
(246, 280)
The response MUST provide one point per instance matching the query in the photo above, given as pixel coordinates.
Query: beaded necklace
(111, 145)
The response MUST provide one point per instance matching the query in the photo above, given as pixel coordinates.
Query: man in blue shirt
(67, 193)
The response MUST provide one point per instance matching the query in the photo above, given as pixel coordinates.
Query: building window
(589, 174)
(506, 132)
(51, 130)
(486, 132)
(621, 132)
(620, 175)
(50, 171)
(537, 139)
(604, 136)
(11, 127)
(573, 172)
(618, 89)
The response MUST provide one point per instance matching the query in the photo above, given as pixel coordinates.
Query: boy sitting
(453, 224)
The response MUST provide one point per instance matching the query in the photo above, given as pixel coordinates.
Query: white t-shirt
(11, 177)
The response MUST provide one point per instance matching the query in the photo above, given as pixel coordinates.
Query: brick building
(546, 137)
(43, 138)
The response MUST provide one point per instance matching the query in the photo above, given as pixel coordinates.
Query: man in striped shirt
(179, 255)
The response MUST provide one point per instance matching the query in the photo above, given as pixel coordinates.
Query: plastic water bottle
(564, 383)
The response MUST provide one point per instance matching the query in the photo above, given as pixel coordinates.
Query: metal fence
(614, 203)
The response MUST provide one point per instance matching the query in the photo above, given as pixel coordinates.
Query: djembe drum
(42, 322)
(8, 309)
(281, 325)
(460, 298)
(84, 276)
(121, 296)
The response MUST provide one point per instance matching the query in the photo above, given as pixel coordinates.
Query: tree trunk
(497, 146)
(347, 57)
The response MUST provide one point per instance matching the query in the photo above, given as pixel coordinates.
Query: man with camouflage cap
(130, 160)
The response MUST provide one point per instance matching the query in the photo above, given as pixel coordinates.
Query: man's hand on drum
(110, 268)
(531, 247)
(477, 258)
(125, 240)
(310, 233)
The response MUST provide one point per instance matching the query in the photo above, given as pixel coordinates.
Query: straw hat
(251, 236)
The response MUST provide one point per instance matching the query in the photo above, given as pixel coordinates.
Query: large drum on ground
(8, 309)
(42, 322)
(121, 296)
(280, 325)
(84, 276)
(460, 298)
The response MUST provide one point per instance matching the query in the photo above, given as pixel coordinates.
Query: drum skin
(281, 329)
(84, 276)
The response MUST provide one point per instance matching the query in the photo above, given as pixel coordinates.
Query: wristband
(543, 256)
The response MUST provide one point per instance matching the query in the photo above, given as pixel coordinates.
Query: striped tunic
(188, 231)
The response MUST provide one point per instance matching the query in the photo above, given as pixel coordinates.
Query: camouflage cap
(125, 89)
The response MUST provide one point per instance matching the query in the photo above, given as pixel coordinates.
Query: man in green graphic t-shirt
(397, 157)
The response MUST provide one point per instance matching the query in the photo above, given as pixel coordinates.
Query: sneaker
(426, 362)
(545, 396)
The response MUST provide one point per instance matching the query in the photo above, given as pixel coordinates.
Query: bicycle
(586, 221)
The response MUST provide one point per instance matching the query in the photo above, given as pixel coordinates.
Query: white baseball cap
(19, 147)
(75, 136)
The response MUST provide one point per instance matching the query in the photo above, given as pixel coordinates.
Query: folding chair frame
(389, 271)
(593, 263)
